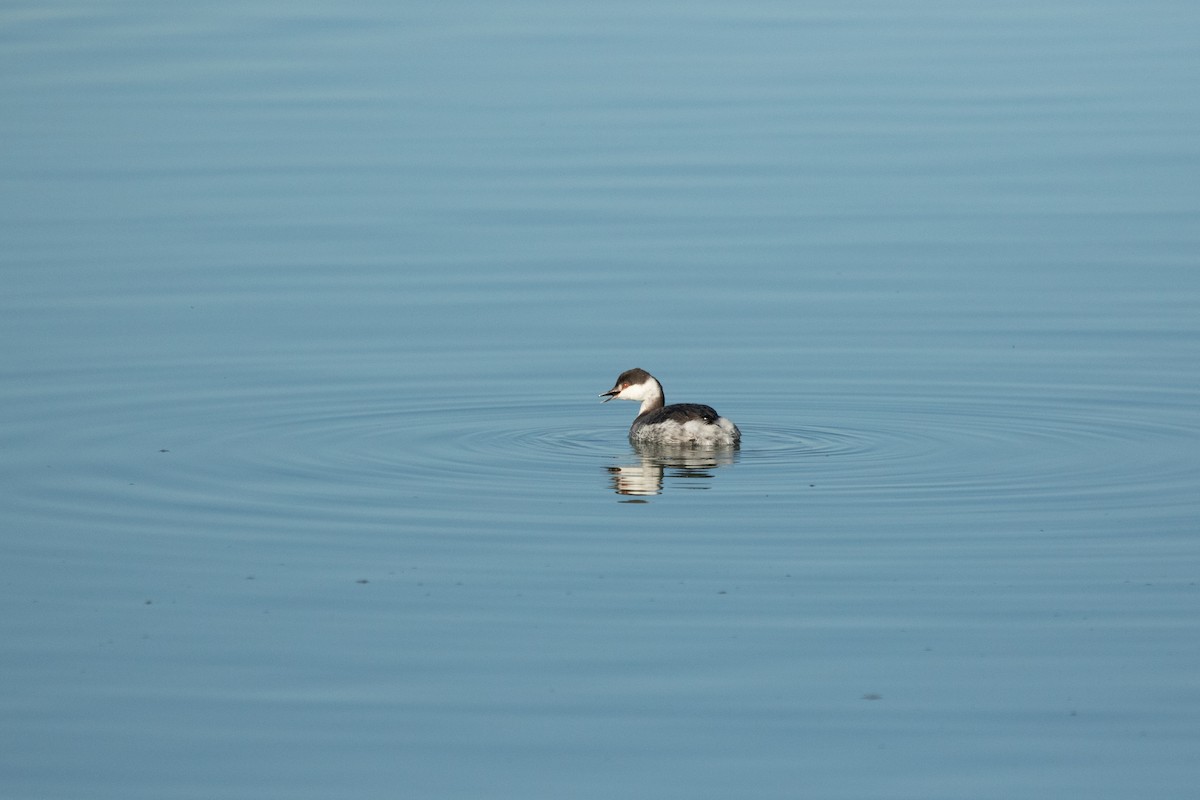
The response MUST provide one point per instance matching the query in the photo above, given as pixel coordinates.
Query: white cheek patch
(634, 392)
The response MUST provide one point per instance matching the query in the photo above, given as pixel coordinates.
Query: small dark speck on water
(164, 450)
(872, 696)
(362, 580)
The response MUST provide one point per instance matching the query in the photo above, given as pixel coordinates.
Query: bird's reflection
(655, 462)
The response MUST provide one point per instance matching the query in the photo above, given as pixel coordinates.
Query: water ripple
(335, 451)
(1000, 447)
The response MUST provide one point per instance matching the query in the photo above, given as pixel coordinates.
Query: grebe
(681, 423)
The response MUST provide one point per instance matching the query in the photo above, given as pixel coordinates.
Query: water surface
(308, 491)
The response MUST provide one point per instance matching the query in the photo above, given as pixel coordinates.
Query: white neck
(651, 395)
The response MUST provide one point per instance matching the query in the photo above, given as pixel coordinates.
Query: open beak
(610, 394)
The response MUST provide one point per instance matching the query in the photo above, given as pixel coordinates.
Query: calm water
(308, 492)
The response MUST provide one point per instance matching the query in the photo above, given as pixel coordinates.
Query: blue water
(308, 492)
